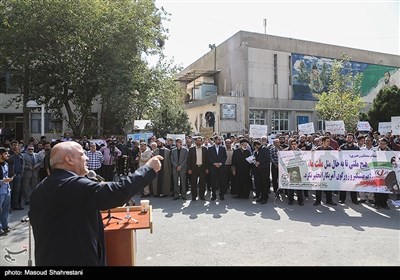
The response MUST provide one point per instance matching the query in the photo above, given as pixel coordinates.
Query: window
(257, 117)
(275, 69)
(6, 84)
(3, 83)
(321, 125)
(36, 122)
(302, 119)
(280, 121)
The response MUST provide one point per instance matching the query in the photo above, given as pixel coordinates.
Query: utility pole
(213, 47)
(265, 26)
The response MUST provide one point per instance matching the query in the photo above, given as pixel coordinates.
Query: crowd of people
(244, 167)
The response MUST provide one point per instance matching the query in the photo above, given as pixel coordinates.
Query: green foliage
(386, 105)
(343, 100)
(170, 119)
(169, 115)
(93, 47)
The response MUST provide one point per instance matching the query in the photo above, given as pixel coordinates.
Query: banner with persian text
(362, 171)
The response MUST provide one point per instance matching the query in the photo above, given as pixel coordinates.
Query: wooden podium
(120, 235)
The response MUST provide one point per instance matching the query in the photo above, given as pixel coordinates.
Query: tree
(343, 100)
(168, 114)
(384, 106)
(152, 88)
(169, 119)
(89, 46)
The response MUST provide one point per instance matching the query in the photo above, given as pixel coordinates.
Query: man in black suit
(198, 168)
(64, 210)
(262, 162)
(216, 159)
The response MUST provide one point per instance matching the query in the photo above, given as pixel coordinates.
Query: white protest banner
(363, 126)
(258, 130)
(306, 128)
(135, 136)
(334, 127)
(361, 170)
(396, 125)
(139, 136)
(384, 127)
(174, 136)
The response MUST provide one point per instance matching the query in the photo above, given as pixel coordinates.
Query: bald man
(64, 210)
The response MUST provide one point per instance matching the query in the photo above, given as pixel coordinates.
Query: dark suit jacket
(65, 218)
(192, 157)
(214, 158)
(263, 156)
(182, 162)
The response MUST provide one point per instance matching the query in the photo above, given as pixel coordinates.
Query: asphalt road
(237, 232)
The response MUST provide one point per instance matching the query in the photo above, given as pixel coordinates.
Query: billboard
(311, 76)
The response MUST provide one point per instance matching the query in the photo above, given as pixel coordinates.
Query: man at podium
(65, 208)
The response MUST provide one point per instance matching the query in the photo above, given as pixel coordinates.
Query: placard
(384, 127)
(396, 125)
(206, 132)
(334, 127)
(258, 130)
(363, 126)
(306, 128)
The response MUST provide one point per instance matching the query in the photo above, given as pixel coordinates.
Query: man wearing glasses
(31, 165)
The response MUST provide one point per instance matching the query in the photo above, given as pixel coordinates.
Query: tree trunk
(25, 112)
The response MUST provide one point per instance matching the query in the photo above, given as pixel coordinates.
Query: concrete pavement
(237, 232)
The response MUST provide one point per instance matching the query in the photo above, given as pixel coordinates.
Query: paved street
(238, 232)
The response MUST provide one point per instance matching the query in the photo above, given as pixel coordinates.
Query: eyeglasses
(30, 149)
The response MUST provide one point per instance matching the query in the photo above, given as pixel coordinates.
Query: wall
(246, 64)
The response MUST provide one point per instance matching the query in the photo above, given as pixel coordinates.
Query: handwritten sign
(306, 128)
(334, 127)
(396, 125)
(206, 132)
(174, 136)
(363, 126)
(384, 127)
(258, 130)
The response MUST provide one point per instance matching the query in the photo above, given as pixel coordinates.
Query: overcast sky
(193, 25)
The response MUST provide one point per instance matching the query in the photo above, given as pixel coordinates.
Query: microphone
(92, 175)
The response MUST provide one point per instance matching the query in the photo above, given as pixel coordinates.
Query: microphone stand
(109, 217)
(128, 217)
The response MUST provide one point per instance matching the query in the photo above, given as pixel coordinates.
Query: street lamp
(33, 104)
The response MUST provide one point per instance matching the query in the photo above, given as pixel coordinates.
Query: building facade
(254, 78)
(12, 119)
